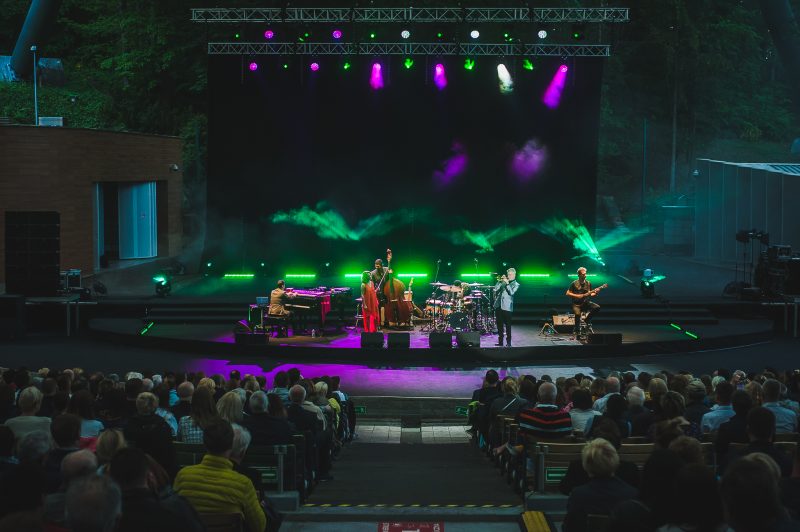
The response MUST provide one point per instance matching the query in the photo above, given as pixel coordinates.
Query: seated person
(603, 491)
(212, 486)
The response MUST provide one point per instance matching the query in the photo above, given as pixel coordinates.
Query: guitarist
(580, 291)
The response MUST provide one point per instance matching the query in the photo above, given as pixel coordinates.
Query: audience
(761, 433)
(29, 403)
(545, 419)
(184, 405)
(203, 412)
(93, 504)
(611, 388)
(280, 386)
(212, 486)
(66, 432)
(785, 418)
(82, 405)
(751, 496)
(735, 429)
(604, 490)
(581, 412)
(73, 467)
(268, 424)
(149, 432)
(722, 411)
(230, 407)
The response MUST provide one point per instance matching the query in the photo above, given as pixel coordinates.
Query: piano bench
(278, 325)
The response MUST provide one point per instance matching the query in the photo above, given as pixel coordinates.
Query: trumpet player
(504, 291)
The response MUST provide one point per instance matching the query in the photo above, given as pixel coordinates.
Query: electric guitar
(591, 293)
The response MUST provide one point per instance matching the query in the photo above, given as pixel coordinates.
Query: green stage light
(208, 264)
(346, 66)
(352, 275)
(236, 35)
(439, 35)
(300, 275)
(286, 66)
(238, 276)
(587, 275)
(534, 275)
(146, 328)
(412, 274)
(262, 264)
(372, 35)
(408, 63)
(690, 335)
(160, 279)
(469, 64)
(676, 326)
(527, 64)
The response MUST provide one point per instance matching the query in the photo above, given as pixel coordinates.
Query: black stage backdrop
(308, 168)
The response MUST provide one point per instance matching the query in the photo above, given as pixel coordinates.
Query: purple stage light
(528, 160)
(337, 34)
(439, 79)
(315, 66)
(452, 167)
(552, 96)
(253, 67)
(376, 77)
(269, 34)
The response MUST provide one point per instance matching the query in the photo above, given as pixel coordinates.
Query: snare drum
(438, 307)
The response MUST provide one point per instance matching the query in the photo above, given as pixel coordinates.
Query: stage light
(236, 35)
(300, 275)
(372, 35)
(262, 264)
(577, 32)
(405, 34)
(238, 276)
(208, 264)
(552, 96)
(376, 78)
(504, 76)
(314, 66)
(269, 34)
(469, 64)
(253, 66)
(163, 285)
(542, 34)
(408, 63)
(647, 289)
(439, 35)
(286, 66)
(527, 64)
(346, 65)
(474, 34)
(337, 34)
(439, 78)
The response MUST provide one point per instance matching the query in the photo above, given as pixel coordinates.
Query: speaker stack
(32, 252)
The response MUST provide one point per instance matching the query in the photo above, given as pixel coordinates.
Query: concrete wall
(55, 169)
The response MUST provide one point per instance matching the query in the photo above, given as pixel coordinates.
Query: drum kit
(468, 307)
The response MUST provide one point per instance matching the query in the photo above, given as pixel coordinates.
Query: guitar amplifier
(564, 323)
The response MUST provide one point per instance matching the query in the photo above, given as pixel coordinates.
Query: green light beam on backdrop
(485, 241)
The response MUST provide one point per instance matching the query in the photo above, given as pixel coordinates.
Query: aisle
(381, 473)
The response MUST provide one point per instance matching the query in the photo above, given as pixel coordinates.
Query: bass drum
(458, 321)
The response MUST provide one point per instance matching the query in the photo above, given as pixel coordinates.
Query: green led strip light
(300, 275)
(146, 328)
(476, 275)
(534, 275)
(587, 275)
(238, 276)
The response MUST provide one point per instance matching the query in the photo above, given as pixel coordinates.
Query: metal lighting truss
(406, 48)
(411, 15)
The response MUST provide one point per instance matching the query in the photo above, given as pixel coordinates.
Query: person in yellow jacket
(212, 486)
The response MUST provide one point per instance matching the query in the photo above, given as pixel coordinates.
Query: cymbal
(474, 284)
(450, 288)
(439, 284)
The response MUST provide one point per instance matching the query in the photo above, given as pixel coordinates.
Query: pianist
(277, 300)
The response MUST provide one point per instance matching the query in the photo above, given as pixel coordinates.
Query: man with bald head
(546, 419)
(73, 467)
(612, 388)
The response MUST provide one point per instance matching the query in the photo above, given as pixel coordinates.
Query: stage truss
(408, 49)
(411, 15)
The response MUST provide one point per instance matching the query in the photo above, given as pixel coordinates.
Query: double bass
(397, 309)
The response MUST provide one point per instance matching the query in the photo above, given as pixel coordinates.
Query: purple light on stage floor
(439, 79)
(269, 34)
(528, 161)
(337, 34)
(253, 67)
(376, 77)
(315, 66)
(552, 96)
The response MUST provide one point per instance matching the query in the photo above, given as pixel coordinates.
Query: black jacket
(268, 430)
(152, 435)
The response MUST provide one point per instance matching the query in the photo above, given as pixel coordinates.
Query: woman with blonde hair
(229, 407)
(109, 442)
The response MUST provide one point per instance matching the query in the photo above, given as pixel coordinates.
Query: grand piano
(311, 308)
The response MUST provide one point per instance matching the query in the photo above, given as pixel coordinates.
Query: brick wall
(55, 169)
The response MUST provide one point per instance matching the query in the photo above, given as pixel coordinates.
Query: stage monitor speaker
(609, 339)
(251, 338)
(468, 339)
(372, 340)
(440, 339)
(399, 340)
